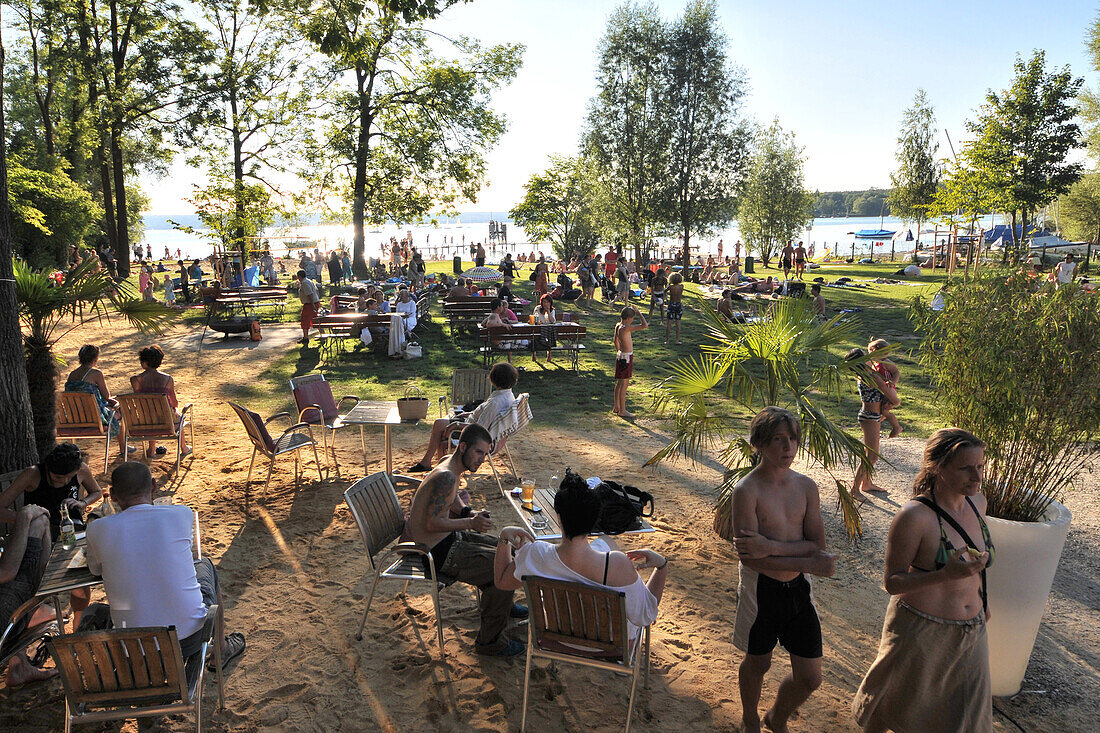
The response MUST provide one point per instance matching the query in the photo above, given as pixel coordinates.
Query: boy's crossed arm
(764, 554)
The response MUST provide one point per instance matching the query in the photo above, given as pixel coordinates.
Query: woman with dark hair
(544, 315)
(64, 485)
(153, 381)
(932, 669)
(88, 378)
(542, 278)
(578, 560)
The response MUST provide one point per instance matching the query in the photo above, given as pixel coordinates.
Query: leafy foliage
(775, 204)
(560, 205)
(785, 358)
(50, 212)
(230, 211)
(917, 177)
(1080, 209)
(1019, 370)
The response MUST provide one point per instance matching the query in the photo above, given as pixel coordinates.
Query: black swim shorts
(769, 610)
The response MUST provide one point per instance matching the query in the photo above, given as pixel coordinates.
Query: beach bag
(621, 507)
(413, 406)
(413, 350)
(534, 275)
(547, 338)
(254, 331)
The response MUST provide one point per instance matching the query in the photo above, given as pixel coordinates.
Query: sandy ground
(292, 575)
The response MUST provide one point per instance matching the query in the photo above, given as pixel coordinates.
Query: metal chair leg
(370, 598)
(317, 461)
(249, 479)
(438, 620)
(633, 690)
(495, 475)
(508, 455)
(527, 679)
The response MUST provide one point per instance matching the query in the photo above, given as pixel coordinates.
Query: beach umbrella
(483, 274)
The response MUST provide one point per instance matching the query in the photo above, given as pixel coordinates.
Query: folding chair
(316, 406)
(508, 423)
(292, 440)
(134, 673)
(378, 514)
(78, 416)
(151, 416)
(468, 385)
(567, 615)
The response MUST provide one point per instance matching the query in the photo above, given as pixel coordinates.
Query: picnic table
(544, 498)
(564, 337)
(58, 577)
(335, 328)
(384, 413)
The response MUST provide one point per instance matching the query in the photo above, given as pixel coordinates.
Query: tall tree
(17, 446)
(1090, 97)
(1024, 134)
(561, 205)
(628, 121)
(407, 128)
(708, 141)
(775, 203)
(918, 173)
(1080, 209)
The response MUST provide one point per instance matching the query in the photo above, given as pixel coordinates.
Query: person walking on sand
(932, 669)
(675, 305)
(624, 356)
(870, 422)
(779, 537)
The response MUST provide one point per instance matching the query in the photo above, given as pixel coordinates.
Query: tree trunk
(122, 251)
(42, 385)
(17, 448)
(359, 185)
(238, 178)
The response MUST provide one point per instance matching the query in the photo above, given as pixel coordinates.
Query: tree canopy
(917, 176)
(561, 205)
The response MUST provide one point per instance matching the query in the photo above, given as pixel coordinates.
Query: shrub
(1017, 365)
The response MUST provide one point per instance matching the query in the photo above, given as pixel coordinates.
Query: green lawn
(582, 400)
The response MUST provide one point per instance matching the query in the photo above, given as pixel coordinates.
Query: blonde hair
(767, 423)
(876, 344)
(939, 451)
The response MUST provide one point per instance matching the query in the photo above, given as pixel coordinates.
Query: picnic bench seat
(469, 314)
(566, 337)
(334, 330)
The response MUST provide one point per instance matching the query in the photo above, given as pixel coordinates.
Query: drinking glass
(528, 496)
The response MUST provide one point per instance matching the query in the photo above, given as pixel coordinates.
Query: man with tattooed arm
(441, 519)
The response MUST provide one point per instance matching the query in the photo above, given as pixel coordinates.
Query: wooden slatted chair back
(257, 431)
(578, 615)
(78, 415)
(147, 415)
(468, 385)
(120, 666)
(377, 511)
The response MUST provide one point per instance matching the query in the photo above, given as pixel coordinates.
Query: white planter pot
(1019, 585)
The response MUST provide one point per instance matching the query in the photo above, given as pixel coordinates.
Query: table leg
(363, 445)
(389, 460)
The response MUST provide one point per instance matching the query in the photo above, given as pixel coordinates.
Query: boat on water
(874, 234)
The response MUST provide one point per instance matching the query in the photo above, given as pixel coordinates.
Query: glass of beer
(528, 495)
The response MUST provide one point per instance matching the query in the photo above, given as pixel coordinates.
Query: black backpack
(621, 507)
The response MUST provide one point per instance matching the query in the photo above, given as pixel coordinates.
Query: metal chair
(18, 632)
(151, 416)
(468, 385)
(292, 440)
(134, 673)
(378, 514)
(78, 416)
(508, 423)
(576, 623)
(316, 406)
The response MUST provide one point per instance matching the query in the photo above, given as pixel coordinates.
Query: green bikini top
(946, 549)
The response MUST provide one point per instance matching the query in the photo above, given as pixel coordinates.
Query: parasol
(483, 274)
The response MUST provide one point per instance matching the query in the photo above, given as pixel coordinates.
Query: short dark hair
(815, 288)
(496, 303)
(503, 375)
(473, 433)
(152, 355)
(88, 354)
(577, 505)
(131, 479)
(301, 274)
(361, 291)
(63, 458)
(768, 421)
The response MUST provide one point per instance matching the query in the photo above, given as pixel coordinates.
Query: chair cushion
(316, 393)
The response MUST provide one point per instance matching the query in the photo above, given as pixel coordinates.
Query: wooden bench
(338, 327)
(568, 338)
(469, 314)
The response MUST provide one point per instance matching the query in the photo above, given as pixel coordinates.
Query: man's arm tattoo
(441, 487)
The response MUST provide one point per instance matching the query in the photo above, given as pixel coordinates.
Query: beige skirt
(931, 675)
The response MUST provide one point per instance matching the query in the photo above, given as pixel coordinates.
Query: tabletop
(58, 578)
(370, 412)
(544, 498)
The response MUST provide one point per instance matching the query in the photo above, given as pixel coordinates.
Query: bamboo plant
(788, 358)
(1015, 362)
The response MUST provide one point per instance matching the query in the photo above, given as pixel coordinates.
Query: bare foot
(747, 727)
(878, 489)
(772, 726)
(21, 672)
(895, 432)
(627, 415)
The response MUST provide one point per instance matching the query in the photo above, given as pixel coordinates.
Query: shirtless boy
(624, 357)
(657, 292)
(675, 305)
(779, 536)
(786, 258)
(800, 260)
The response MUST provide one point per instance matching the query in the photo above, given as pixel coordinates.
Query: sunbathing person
(767, 287)
(88, 378)
(153, 381)
(20, 569)
(503, 377)
(598, 563)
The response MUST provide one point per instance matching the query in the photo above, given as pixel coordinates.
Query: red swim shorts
(309, 310)
(624, 368)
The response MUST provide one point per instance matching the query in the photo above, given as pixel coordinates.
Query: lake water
(834, 235)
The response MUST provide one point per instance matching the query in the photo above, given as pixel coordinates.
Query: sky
(839, 74)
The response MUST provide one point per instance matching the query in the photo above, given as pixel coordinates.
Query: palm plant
(85, 292)
(785, 358)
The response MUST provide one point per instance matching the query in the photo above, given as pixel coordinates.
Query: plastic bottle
(68, 533)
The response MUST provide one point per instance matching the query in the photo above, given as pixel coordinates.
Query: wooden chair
(151, 416)
(378, 514)
(134, 673)
(567, 615)
(78, 416)
(316, 406)
(291, 441)
(469, 385)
